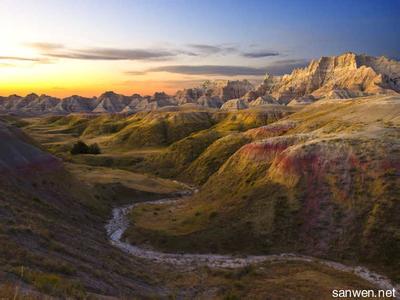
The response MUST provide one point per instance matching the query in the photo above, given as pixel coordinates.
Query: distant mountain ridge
(211, 94)
(345, 76)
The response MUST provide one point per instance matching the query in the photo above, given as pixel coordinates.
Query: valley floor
(274, 278)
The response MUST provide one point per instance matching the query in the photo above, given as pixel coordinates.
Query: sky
(87, 47)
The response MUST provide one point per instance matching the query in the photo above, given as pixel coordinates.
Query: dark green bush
(81, 148)
(94, 149)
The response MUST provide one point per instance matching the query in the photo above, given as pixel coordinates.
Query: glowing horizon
(87, 48)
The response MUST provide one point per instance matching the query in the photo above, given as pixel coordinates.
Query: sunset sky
(87, 47)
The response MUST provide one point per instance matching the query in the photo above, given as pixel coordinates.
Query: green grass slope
(52, 228)
(324, 181)
(164, 142)
(182, 159)
(53, 243)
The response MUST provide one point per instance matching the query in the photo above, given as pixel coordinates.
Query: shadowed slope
(51, 228)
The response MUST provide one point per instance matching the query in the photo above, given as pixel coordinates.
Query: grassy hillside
(52, 227)
(324, 181)
(59, 249)
(182, 158)
(212, 158)
(160, 129)
(53, 241)
(164, 142)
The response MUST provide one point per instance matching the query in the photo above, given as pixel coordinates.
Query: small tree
(79, 148)
(94, 149)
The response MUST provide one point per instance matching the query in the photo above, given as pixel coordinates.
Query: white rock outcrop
(344, 76)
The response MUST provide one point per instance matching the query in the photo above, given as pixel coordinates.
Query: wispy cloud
(45, 46)
(61, 51)
(205, 70)
(205, 49)
(55, 50)
(279, 67)
(285, 66)
(138, 73)
(112, 54)
(18, 58)
(165, 83)
(260, 54)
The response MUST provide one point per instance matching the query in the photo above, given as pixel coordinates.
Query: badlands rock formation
(235, 104)
(209, 94)
(214, 93)
(111, 102)
(344, 76)
(75, 104)
(32, 103)
(262, 100)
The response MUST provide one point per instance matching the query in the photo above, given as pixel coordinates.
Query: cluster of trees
(81, 148)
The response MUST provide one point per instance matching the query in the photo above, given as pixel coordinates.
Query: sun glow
(23, 71)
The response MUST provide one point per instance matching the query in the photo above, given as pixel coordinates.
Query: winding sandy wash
(117, 225)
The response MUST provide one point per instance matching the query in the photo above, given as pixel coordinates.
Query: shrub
(94, 149)
(213, 215)
(81, 148)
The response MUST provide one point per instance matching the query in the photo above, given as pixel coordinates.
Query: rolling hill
(306, 163)
(323, 181)
(53, 243)
(51, 228)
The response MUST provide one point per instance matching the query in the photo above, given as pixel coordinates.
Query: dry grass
(239, 208)
(134, 181)
(337, 174)
(277, 281)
